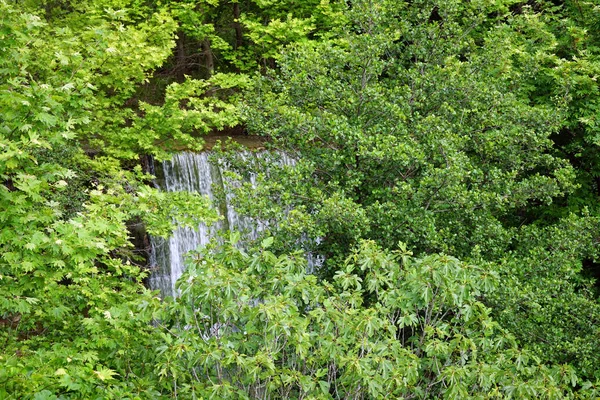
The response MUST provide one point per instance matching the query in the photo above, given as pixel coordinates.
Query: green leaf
(105, 374)
(267, 242)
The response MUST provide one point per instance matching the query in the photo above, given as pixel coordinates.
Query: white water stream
(193, 172)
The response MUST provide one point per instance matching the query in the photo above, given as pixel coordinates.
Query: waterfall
(194, 172)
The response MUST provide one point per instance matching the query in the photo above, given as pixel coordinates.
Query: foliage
(243, 35)
(255, 325)
(72, 312)
(436, 123)
(444, 150)
(546, 301)
(462, 128)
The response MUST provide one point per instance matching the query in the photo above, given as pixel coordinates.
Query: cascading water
(193, 172)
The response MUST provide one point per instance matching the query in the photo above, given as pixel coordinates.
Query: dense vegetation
(447, 168)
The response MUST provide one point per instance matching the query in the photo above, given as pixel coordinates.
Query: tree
(460, 128)
(421, 123)
(574, 25)
(74, 315)
(256, 325)
(433, 139)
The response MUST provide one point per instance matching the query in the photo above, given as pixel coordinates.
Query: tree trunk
(237, 26)
(208, 58)
(180, 66)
